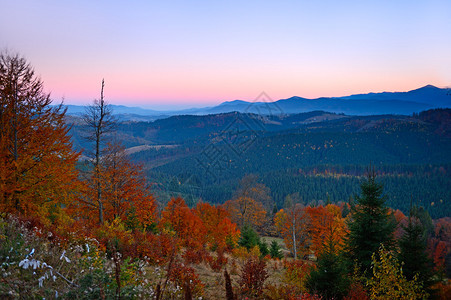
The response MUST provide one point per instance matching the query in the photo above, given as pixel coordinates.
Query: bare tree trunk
(99, 120)
(228, 286)
(97, 155)
(187, 291)
(15, 138)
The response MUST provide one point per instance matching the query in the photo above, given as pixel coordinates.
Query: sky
(179, 54)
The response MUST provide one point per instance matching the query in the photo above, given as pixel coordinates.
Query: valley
(319, 155)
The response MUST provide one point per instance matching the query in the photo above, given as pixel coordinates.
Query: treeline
(426, 185)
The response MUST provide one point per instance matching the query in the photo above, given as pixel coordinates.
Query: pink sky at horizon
(179, 55)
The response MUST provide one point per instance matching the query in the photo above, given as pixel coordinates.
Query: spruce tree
(413, 254)
(274, 250)
(370, 225)
(263, 246)
(330, 279)
(249, 238)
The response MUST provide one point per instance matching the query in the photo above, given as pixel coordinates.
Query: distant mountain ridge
(403, 103)
(428, 94)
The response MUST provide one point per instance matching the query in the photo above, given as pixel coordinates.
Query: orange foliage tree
(293, 224)
(37, 163)
(221, 233)
(125, 194)
(180, 221)
(245, 211)
(327, 227)
(250, 203)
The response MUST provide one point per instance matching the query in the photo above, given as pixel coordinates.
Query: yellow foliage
(240, 252)
(255, 252)
(388, 281)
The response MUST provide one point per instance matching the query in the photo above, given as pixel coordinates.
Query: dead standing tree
(99, 120)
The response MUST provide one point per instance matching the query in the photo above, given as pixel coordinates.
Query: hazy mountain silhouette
(404, 103)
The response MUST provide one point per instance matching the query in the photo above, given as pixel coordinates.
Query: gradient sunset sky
(159, 54)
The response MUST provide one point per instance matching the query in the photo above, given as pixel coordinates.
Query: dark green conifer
(274, 250)
(263, 246)
(370, 225)
(330, 279)
(249, 238)
(413, 254)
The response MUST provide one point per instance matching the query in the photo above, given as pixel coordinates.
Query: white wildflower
(41, 279)
(31, 253)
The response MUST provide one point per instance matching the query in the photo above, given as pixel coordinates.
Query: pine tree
(413, 251)
(370, 225)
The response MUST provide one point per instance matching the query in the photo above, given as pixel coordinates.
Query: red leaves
(185, 277)
(178, 218)
(253, 277)
(221, 233)
(156, 249)
(440, 245)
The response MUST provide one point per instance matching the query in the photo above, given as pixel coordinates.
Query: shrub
(253, 276)
(216, 263)
(295, 275)
(186, 279)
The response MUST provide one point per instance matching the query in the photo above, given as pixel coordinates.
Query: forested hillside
(319, 155)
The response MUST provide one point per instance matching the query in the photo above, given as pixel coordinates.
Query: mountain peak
(233, 102)
(429, 87)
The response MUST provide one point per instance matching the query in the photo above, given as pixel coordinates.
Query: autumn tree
(326, 226)
(371, 224)
(245, 211)
(293, 224)
(253, 276)
(126, 195)
(180, 221)
(251, 188)
(37, 163)
(439, 247)
(388, 280)
(221, 233)
(247, 208)
(98, 120)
